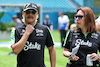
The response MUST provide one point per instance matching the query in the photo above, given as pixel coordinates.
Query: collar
(86, 34)
(79, 30)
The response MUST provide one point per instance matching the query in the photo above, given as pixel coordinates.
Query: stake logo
(82, 42)
(29, 45)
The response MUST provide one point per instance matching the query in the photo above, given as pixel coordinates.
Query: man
(48, 23)
(17, 20)
(30, 40)
(63, 24)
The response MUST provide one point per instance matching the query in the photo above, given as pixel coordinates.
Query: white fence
(5, 35)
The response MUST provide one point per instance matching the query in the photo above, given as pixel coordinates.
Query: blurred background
(8, 8)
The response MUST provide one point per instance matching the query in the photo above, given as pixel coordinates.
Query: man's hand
(17, 47)
(29, 29)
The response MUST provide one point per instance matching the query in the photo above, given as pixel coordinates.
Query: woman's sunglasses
(79, 16)
(32, 11)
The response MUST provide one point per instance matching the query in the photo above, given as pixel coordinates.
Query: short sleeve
(58, 20)
(49, 38)
(13, 36)
(50, 23)
(17, 35)
(66, 42)
(99, 41)
(67, 19)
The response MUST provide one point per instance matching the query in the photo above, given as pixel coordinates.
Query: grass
(56, 36)
(10, 61)
(5, 60)
(60, 59)
(4, 40)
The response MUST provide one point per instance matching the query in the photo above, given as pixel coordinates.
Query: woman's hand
(94, 56)
(74, 57)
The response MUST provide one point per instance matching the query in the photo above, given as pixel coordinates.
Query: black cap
(30, 6)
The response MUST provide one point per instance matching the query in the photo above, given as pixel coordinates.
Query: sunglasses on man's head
(79, 16)
(32, 11)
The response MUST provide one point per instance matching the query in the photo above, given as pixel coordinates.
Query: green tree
(1, 15)
(3, 26)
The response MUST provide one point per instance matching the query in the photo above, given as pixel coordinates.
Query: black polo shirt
(32, 54)
(89, 43)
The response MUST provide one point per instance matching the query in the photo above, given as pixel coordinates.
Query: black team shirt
(89, 43)
(32, 54)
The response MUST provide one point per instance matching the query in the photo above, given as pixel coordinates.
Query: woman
(83, 41)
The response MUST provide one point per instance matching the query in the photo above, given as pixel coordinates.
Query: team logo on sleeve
(76, 34)
(39, 32)
(94, 35)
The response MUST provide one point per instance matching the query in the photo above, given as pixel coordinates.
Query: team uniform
(32, 54)
(89, 43)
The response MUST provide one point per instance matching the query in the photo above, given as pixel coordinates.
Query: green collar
(33, 25)
(86, 34)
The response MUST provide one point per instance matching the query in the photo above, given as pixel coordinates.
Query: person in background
(48, 22)
(18, 24)
(63, 25)
(17, 21)
(30, 40)
(84, 41)
(98, 23)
